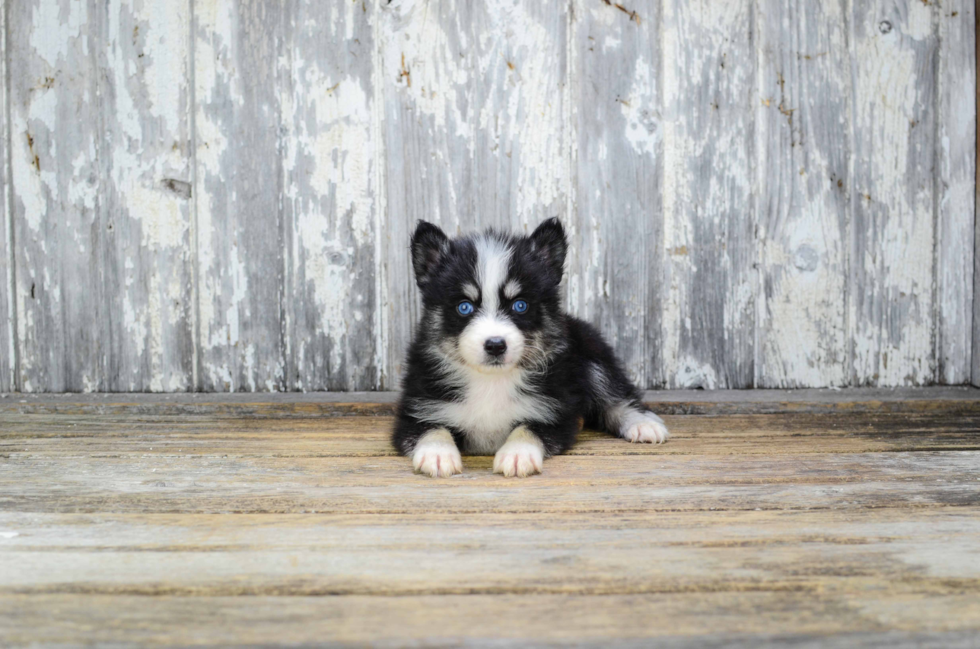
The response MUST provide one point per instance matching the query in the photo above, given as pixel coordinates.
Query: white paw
(522, 455)
(644, 427)
(436, 455)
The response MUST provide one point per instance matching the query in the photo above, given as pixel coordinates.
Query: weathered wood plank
(8, 327)
(803, 185)
(194, 436)
(894, 53)
(148, 271)
(393, 555)
(616, 240)
(268, 484)
(976, 241)
(239, 238)
(767, 620)
(104, 112)
(949, 400)
(955, 141)
(330, 205)
(709, 89)
(473, 128)
(58, 163)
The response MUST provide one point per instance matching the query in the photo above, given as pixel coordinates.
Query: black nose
(495, 346)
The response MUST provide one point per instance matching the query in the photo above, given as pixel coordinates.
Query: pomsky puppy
(496, 367)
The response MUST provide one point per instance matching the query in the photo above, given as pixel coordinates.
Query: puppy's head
(490, 301)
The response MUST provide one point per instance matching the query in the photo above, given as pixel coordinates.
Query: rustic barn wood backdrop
(218, 194)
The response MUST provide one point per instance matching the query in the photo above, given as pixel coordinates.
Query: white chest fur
(492, 405)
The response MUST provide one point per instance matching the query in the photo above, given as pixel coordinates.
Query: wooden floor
(805, 519)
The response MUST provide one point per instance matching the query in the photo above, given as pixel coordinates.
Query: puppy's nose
(495, 346)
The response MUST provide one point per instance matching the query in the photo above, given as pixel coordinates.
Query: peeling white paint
(50, 36)
(640, 110)
(707, 189)
(892, 342)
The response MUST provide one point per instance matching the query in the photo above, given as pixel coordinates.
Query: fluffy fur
(497, 380)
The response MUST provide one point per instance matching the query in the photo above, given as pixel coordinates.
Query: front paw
(645, 427)
(522, 455)
(436, 455)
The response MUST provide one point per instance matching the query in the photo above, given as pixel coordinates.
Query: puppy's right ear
(429, 246)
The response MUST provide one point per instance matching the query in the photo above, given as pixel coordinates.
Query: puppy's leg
(521, 455)
(617, 407)
(431, 447)
(436, 454)
(636, 423)
(529, 444)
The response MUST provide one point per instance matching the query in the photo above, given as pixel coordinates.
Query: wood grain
(330, 206)
(148, 272)
(895, 51)
(239, 180)
(709, 77)
(957, 124)
(593, 554)
(59, 172)
(64, 476)
(676, 620)
(802, 117)
(8, 326)
(189, 436)
(975, 365)
(615, 262)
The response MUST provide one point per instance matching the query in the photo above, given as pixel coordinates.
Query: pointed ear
(549, 242)
(429, 245)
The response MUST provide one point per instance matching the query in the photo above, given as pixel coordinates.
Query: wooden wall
(218, 194)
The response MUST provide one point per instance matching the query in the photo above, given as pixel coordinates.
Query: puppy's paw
(644, 427)
(521, 455)
(436, 455)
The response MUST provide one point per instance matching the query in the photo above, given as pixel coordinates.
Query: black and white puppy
(496, 367)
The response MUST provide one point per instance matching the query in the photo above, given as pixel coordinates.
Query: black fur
(575, 367)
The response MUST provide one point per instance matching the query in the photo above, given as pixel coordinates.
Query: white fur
(471, 291)
(436, 455)
(642, 426)
(512, 289)
(493, 402)
(476, 333)
(521, 456)
(492, 263)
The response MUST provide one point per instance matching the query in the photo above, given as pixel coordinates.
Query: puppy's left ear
(429, 245)
(548, 241)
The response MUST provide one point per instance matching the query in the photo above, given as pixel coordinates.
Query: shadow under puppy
(497, 367)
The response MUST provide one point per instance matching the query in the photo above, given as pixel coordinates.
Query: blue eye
(520, 306)
(465, 308)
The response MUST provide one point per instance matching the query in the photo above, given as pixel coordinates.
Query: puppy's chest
(490, 408)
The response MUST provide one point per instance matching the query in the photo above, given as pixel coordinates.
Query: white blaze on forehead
(492, 262)
(512, 290)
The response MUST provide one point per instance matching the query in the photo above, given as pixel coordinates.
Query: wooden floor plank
(763, 619)
(595, 554)
(166, 483)
(369, 436)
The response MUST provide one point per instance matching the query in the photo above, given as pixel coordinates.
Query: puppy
(496, 367)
